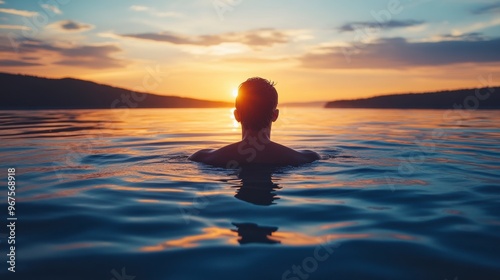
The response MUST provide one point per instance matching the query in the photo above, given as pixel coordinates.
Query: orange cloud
(46, 53)
(22, 13)
(257, 38)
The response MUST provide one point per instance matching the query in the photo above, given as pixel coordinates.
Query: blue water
(110, 194)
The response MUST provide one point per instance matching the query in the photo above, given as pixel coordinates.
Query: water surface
(398, 194)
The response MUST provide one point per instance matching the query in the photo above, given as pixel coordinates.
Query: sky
(314, 50)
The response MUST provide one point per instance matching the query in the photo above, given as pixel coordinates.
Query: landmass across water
(30, 92)
(26, 92)
(477, 98)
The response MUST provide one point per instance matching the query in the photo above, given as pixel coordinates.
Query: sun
(235, 92)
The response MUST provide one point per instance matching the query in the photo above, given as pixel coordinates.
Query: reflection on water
(247, 233)
(258, 189)
(210, 233)
(253, 233)
(256, 185)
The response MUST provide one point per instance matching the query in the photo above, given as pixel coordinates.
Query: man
(256, 110)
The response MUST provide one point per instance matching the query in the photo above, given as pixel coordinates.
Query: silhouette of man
(256, 111)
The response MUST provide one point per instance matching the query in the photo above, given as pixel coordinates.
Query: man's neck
(264, 135)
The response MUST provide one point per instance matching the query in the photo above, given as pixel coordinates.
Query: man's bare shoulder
(242, 153)
(291, 156)
(219, 157)
(200, 155)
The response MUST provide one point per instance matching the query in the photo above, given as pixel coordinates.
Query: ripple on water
(96, 196)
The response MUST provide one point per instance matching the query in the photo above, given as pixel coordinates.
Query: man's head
(256, 104)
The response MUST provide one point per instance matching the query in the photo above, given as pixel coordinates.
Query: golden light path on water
(233, 236)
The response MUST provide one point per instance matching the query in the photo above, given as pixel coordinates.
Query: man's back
(256, 110)
(241, 153)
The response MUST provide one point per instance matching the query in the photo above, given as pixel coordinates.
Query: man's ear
(236, 114)
(275, 115)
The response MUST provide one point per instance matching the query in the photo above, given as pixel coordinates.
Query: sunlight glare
(236, 124)
(235, 92)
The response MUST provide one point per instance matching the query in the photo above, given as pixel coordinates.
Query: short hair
(256, 101)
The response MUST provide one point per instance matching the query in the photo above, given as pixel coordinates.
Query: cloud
(16, 63)
(53, 9)
(72, 26)
(255, 60)
(15, 27)
(22, 13)
(138, 8)
(471, 36)
(167, 14)
(397, 53)
(475, 27)
(88, 56)
(353, 26)
(154, 12)
(254, 38)
(491, 8)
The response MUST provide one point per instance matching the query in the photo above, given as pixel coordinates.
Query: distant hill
(429, 100)
(29, 92)
(303, 104)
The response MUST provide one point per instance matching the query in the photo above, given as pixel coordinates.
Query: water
(110, 194)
